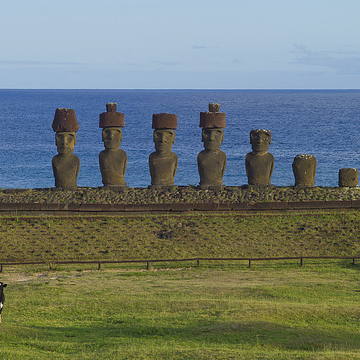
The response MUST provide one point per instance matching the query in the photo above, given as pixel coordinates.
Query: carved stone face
(212, 138)
(112, 137)
(65, 142)
(163, 140)
(260, 141)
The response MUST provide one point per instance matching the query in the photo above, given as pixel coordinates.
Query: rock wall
(179, 195)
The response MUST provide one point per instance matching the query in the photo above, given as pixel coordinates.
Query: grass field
(175, 236)
(272, 311)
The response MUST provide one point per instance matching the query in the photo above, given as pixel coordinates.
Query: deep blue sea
(324, 123)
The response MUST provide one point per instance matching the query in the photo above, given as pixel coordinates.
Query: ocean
(324, 123)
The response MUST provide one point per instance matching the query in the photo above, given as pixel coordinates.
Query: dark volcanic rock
(181, 194)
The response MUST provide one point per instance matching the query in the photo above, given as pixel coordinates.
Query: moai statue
(304, 169)
(348, 177)
(259, 163)
(112, 160)
(212, 161)
(163, 162)
(65, 165)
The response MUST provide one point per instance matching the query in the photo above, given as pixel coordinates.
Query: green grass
(273, 311)
(176, 236)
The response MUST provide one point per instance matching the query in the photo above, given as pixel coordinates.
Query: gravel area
(181, 194)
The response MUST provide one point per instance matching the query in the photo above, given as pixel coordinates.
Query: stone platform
(182, 198)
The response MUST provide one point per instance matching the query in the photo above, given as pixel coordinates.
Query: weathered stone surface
(111, 118)
(65, 120)
(212, 161)
(163, 162)
(111, 107)
(304, 169)
(348, 177)
(112, 160)
(214, 107)
(180, 195)
(259, 163)
(65, 165)
(213, 118)
(164, 121)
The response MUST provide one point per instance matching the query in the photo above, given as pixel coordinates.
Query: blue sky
(230, 44)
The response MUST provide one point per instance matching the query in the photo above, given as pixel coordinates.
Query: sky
(187, 44)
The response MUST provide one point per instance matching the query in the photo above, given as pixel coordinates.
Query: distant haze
(152, 44)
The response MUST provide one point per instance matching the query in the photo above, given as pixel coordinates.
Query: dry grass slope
(176, 236)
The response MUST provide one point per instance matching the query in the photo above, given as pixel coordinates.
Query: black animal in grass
(2, 297)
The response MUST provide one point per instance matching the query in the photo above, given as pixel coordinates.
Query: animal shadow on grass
(211, 333)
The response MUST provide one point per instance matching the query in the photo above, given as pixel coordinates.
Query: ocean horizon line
(183, 89)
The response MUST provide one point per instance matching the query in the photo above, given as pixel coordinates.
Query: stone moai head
(164, 126)
(112, 123)
(65, 142)
(260, 139)
(65, 126)
(304, 169)
(212, 123)
(348, 177)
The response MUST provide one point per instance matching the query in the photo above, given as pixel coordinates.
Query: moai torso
(113, 166)
(259, 168)
(211, 166)
(304, 169)
(66, 170)
(348, 177)
(163, 168)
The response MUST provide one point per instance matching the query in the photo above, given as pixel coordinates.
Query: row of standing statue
(211, 161)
